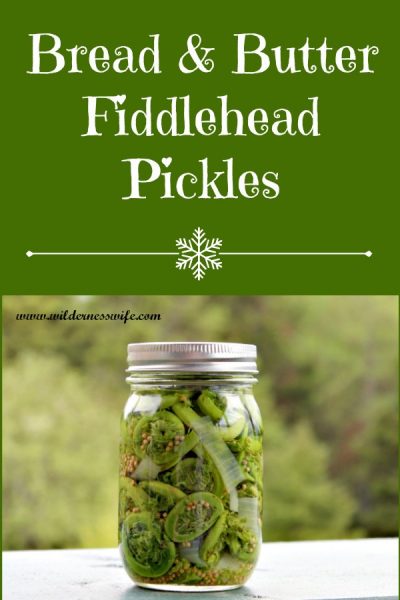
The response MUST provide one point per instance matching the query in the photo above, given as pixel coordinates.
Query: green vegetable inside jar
(190, 496)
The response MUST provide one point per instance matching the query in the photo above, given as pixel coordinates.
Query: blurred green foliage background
(327, 392)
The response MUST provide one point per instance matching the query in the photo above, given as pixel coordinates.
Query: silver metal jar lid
(192, 357)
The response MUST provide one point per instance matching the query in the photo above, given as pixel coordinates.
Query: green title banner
(205, 149)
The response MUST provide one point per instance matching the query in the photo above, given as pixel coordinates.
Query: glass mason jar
(190, 500)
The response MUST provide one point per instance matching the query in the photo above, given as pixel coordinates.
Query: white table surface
(328, 570)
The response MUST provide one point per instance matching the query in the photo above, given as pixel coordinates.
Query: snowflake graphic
(198, 253)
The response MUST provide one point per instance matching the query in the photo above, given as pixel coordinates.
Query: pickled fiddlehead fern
(146, 550)
(211, 404)
(193, 475)
(158, 435)
(214, 542)
(192, 516)
(240, 538)
(131, 497)
(164, 496)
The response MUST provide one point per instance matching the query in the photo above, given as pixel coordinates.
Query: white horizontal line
(368, 253)
(30, 253)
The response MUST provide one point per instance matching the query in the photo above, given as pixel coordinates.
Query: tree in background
(60, 457)
(300, 500)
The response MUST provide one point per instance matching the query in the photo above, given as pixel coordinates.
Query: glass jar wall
(190, 496)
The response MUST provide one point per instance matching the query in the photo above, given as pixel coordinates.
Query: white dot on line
(29, 253)
(369, 253)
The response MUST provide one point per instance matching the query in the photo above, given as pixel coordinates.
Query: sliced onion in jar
(234, 500)
(222, 457)
(146, 470)
(248, 510)
(190, 551)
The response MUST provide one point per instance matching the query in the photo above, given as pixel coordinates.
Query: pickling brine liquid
(190, 497)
